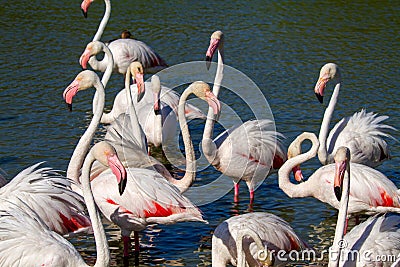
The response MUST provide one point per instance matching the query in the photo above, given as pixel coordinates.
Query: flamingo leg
(127, 245)
(236, 194)
(346, 225)
(251, 197)
(137, 245)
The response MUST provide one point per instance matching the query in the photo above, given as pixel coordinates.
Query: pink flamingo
(25, 240)
(248, 152)
(124, 51)
(375, 240)
(148, 198)
(370, 192)
(362, 133)
(242, 240)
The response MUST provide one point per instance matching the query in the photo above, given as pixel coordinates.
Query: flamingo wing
(247, 151)
(362, 133)
(50, 195)
(25, 240)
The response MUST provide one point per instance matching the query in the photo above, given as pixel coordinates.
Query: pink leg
(127, 245)
(251, 197)
(137, 245)
(345, 226)
(236, 195)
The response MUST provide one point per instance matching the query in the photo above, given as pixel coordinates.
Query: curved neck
(323, 155)
(106, 75)
(302, 189)
(83, 145)
(103, 253)
(208, 146)
(104, 21)
(241, 257)
(341, 220)
(190, 174)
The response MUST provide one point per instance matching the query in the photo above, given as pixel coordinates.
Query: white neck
(103, 253)
(323, 156)
(208, 146)
(241, 257)
(83, 145)
(302, 189)
(107, 73)
(190, 174)
(341, 220)
(103, 22)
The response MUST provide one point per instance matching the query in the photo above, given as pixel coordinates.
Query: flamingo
(250, 238)
(25, 240)
(362, 133)
(149, 198)
(376, 241)
(124, 51)
(257, 150)
(167, 95)
(49, 194)
(370, 192)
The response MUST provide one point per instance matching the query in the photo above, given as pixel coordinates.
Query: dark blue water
(280, 46)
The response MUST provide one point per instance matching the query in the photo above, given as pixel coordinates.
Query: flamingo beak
(210, 51)
(70, 92)
(213, 102)
(119, 171)
(338, 180)
(140, 85)
(83, 60)
(85, 6)
(298, 175)
(320, 87)
(157, 104)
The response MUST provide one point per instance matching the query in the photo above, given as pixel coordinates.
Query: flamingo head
(85, 6)
(137, 73)
(329, 71)
(156, 87)
(293, 151)
(84, 80)
(106, 155)
(217, 41)
(125, 34)
(92, 48)
(202, 90)
(342, 159)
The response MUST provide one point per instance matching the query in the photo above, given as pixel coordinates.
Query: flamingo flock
(120, 179)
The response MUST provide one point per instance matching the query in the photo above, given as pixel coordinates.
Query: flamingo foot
(236, 194)
(127, 245)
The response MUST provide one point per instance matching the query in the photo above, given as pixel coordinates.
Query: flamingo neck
(341, 220)
(190, 174)
(104, 21)
(106, 75)
(323, 155)
(103, 253)
(83, 145)
(303, 189)
(208, 146)
(241, 257)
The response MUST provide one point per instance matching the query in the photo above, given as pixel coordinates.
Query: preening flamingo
(25, 240)
(248, 152)
(370, 192)
(149, 198)
(376, 241)
(362, 133)
(124, 51)
(250, 238)
(167, 95)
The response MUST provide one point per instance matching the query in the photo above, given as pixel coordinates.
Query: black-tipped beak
(84, 13)
(69, 106)
(140, 96)
(338, 192)
(320, 98)
(208, 62)
(157, 112)
(121, 186)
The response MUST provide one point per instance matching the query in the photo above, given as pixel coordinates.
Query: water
(279, 45)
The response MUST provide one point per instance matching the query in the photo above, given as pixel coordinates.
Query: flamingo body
(275, 234)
